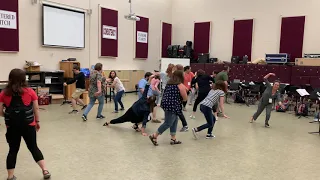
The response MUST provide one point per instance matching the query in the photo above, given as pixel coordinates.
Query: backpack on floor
(238, 98)
(279, 109)
(302, 110)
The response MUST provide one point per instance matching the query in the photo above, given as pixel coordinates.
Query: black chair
(233, 88)
(253, 94)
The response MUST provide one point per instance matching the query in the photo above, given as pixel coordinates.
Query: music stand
(65, 101)
(302, 93)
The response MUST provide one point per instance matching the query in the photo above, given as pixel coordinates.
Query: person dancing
(214, 96)
(270, 95)
(154, 91)
(139, 112)
(22, 120)
(80, 81)
(188, 76)
(203, 82)
(119, 88)
(97, 91)
(174, 93)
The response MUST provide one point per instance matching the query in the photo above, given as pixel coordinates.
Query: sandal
(46, 174)
(174, 142)
(106, 124)
(153, 140)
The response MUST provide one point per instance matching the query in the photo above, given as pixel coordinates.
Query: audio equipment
(203, 57)
(235, 59)
(169, 51)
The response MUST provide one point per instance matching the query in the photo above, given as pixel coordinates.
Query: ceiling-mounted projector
(131, 16)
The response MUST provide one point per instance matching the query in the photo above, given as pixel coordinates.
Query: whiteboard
(63, 27)
(166, 61)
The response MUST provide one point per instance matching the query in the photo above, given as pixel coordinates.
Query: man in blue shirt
(142, 83)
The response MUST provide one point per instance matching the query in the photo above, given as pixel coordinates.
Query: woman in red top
(188, 76)
(22, 120)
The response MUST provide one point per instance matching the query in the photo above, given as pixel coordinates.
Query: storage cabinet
(67, 67)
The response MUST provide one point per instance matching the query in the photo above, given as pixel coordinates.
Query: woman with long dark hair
(22, 120)
(202, 82)
(174, 93)
(119, 88)
(214, 96)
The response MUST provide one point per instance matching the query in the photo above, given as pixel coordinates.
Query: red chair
(284, 74)
(311, 71)
(197, 66)
(299, 81)
(315, 82)
(297, 71)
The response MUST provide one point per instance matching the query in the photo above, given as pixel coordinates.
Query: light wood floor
(77, 150)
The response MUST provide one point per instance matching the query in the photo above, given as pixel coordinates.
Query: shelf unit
(52, 80)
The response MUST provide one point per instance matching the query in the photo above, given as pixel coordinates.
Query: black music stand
(65, 101)
(302, 94)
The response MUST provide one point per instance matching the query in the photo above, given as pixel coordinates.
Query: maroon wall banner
(142, 38)
(202, 37)
(242, 38)
(292, 34)
(166, 39)
(9, 25)
(109, 33)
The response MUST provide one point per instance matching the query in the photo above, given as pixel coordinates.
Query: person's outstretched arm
(266, 79)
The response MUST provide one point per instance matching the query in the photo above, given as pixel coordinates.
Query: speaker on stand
(175, 51)
(169, 51)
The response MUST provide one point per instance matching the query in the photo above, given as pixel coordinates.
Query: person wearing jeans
(215, 95)
(97, 90)
(174, 93)
(91, 104)
(119, 88)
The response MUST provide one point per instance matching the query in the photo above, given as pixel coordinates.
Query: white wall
(30, 20)
(267, 23)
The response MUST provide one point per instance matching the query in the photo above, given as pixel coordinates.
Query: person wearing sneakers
(216, 94)
(171, 103)
(21, 117)
(79, 79)
(188, 76)
(269, 96)
(139, 112)
(203, 82)
(119, 88)
(97, 91)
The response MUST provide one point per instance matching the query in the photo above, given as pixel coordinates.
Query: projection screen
(63, 27)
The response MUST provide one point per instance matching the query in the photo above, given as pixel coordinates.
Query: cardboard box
(307, 61)
(33, 69)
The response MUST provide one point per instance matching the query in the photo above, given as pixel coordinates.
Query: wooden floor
(77, 150)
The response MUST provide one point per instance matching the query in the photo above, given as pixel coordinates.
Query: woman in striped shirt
(214, 95)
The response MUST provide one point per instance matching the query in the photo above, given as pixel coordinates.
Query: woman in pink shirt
(154, 91)
(188, 76)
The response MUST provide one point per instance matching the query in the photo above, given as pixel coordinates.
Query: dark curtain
(10, 37)
(166, 38)
(201, 38)
(292, 34)
(142, 48)
(109, 47)
(242, 38)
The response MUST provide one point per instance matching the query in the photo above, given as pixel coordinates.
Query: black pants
(185, 102)
(183, 120)
(211, 120)
(129, 116)
(201, 97)
(29, 135)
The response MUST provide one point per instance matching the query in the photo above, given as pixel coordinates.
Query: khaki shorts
(78, 93)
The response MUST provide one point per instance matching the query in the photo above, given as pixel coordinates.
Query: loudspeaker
(189, 43)
(175, 51)
(213, 60)
(181, 53)
(169, 51)
(235, 59)
(203, 58)
(245, 59)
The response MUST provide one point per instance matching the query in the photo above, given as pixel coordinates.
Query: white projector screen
(63, 27)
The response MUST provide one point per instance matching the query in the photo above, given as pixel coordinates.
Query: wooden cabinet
(67, 67)
(129, 78)
(69, 90)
